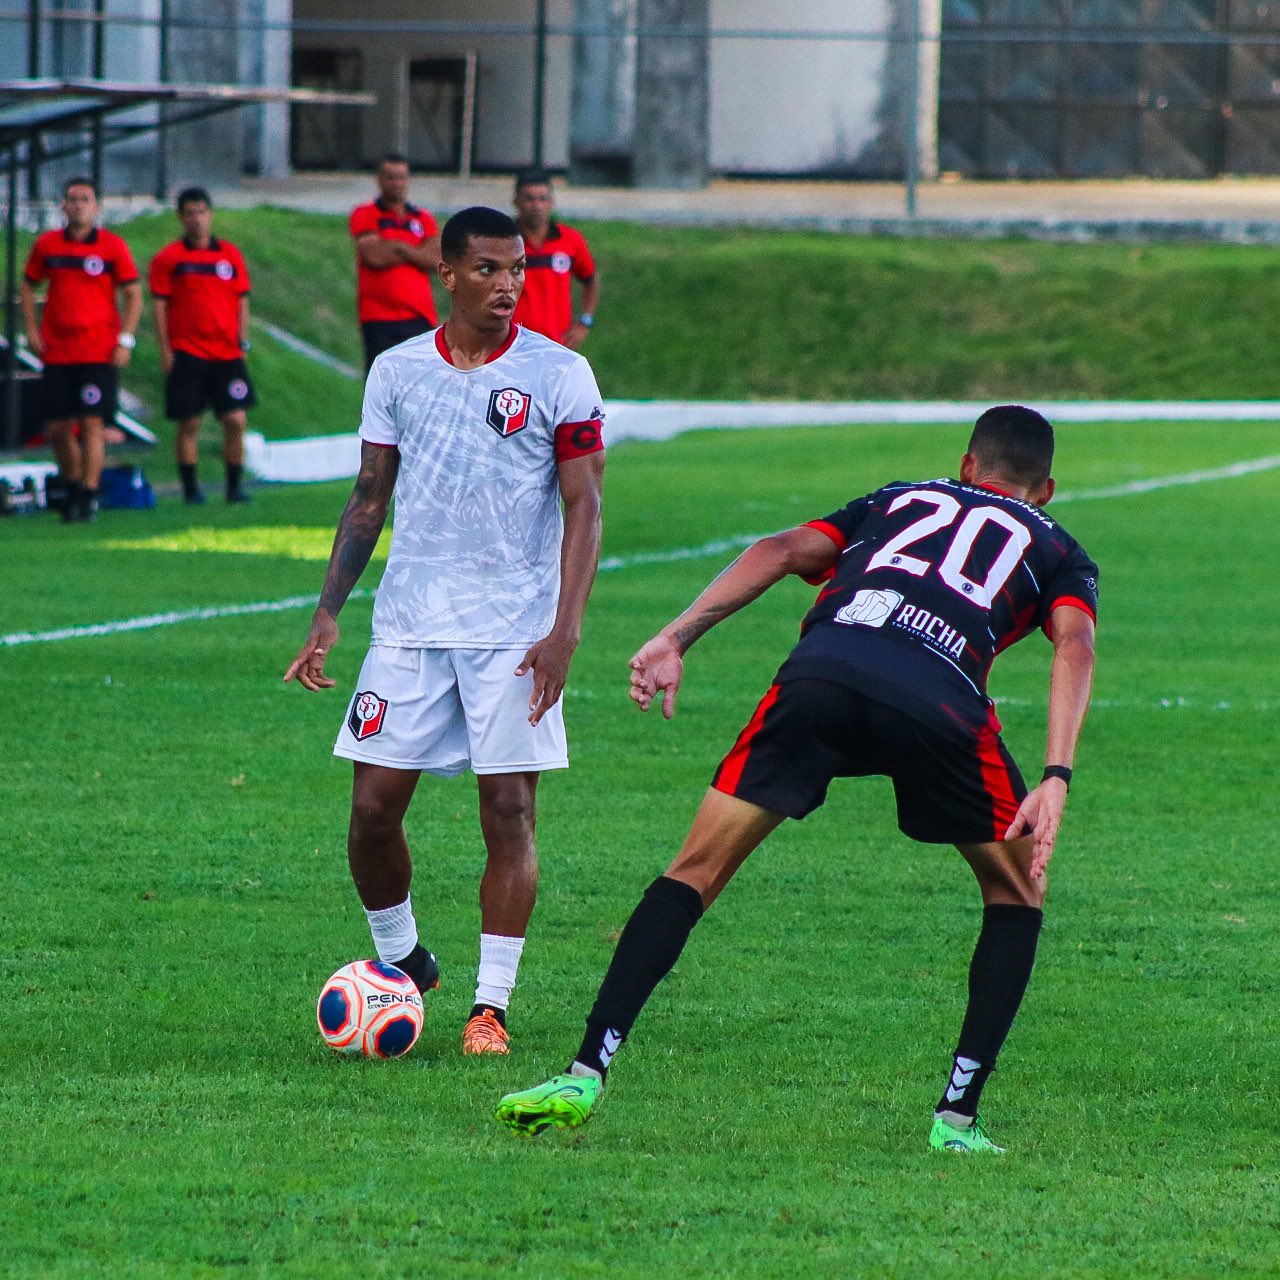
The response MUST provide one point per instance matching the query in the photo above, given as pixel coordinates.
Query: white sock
(581, 1069)
(955, 1119)
(395, 931)
(499, 960)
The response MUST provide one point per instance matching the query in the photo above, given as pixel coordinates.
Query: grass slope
(755, 314)
(175, 891)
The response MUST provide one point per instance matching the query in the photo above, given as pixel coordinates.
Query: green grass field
(174, 892)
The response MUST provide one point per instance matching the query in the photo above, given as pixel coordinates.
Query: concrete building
(661, 92)
(666, 92)
(754, 100)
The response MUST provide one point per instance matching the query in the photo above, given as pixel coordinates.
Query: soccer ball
(371, 1008)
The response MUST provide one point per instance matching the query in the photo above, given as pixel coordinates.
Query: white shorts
(446, 710)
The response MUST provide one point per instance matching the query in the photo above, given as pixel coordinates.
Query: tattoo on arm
(361, 524)
(698, 626)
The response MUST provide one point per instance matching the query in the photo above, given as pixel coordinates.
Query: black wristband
(1057, 771)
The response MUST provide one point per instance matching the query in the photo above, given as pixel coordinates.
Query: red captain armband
(577, 439)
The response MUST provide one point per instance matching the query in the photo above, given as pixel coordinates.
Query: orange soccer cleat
(485, 1034)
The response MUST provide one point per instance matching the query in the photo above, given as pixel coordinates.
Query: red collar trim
(442, 346)
(1004, 493)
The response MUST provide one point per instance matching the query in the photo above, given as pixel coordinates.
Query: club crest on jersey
(368, 711)
(93, 265)
(508, 411)
(561, 263)
(870, 608)
(223, 269)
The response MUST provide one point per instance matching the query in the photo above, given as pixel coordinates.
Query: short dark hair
(80, 182)
(479, 220)
(393, 157)
(1015, 442)
(532, 178)
(192, 195)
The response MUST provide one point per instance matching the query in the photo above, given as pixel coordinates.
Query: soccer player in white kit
(483, 430)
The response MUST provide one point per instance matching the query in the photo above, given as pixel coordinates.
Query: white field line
(1228, 472)
(610, 564)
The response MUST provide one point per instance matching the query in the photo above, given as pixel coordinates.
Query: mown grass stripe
(609, 564)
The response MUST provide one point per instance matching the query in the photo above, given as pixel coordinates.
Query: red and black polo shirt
(81, 323)
(402, 292)
(546, 305)
(203, 288)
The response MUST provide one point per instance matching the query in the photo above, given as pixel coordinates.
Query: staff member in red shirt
(81, 338)
(397, 249)
(554, 254)
(201, 291)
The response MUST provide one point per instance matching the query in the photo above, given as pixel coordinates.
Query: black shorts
(954, 784)
(194, 385)
(382, 335)
(79, 391)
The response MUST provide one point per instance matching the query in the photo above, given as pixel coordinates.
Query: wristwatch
(127, 341)
(586, 320)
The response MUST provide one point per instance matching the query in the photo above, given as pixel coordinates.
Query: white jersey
(475, 547)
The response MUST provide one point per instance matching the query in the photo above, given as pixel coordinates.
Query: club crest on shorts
(508, 411)
(367, 714)
(91, 393)
(237, 388)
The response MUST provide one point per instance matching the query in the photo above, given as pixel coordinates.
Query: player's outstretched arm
(582, 491)
(659, 664)
(1070, 684)
(353, 544)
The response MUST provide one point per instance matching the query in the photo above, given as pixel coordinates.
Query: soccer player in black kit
(924, 584)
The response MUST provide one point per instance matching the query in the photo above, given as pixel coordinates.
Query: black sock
(998, 977)
(234, 471)
(478, 1009)
(88, 501)
(649, 946)
(187, 473)
(71, 503)
(421, 966)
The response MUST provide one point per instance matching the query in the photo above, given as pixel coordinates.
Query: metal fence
(982, 88)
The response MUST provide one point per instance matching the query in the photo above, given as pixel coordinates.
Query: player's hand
(574, 336)
(658, 667)
(549, 661)
(120, 357)
(308, 666)
(1040, 814)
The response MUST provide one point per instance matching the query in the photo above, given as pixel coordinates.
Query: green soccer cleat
(564, 1102)
(970, 1141)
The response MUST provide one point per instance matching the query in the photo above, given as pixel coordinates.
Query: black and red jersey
(402, 291)
(934, 580)
(545, 304)
(80, 324)
(203, 288)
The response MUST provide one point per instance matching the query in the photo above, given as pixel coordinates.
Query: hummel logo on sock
(612, 1043)
(961, 1078)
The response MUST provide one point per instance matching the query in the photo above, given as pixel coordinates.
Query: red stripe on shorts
(995, 778)
(735, 762)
